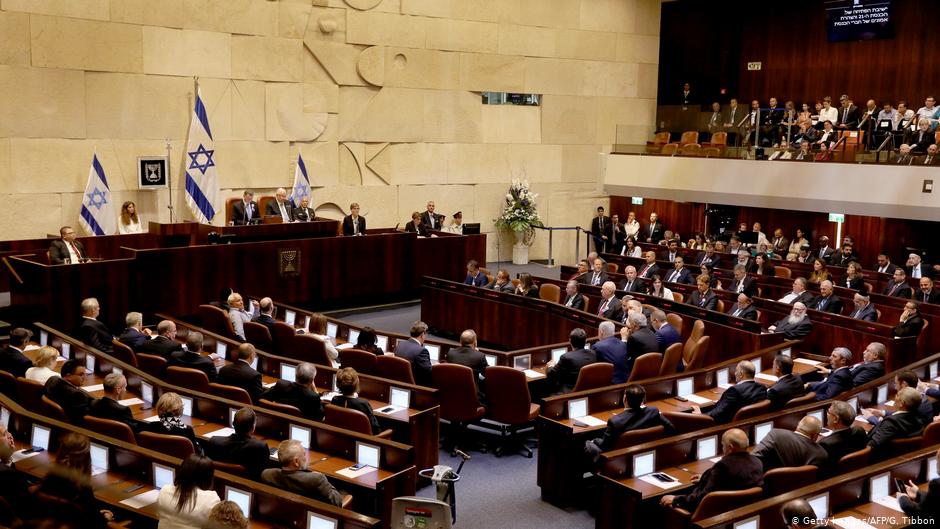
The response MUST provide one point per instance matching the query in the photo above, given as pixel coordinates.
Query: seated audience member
(783, 448)
(884, 265)
(845, 437)
(650, 268)
(368, 341)
(609, 306)
(898, 286)
(742, 284)
(854, 277)
(658, 289)
(502, 283)
(838, 375)
(240, 373)
(318, 330)
(826, 302)
(564, 374)
(91, 331)
(69, 479)
(799, 293)
(240, 448)
(475, 276)
(110, 407)
(598, 274)
(170, 410)
(736, 470)
(788, 385)
(280, 207)
(666, 334)
(905, 156)
(573, 298)
(468, 355)
(795, 326)
(797, 244)
(347, 381)
(744, 308)
(743, 393)
(799, 514)
(916, 268)
(226, 515)
(923, 508)
(416, 226)
(164, 343)
(872, 365)
(66, 391)
(526, 287)
(413, 350)
(245, 211)
(805, 154)
(679, 273)
(927, 410)
(820, 271)
(66, 248)
(135, 334)
(671, 251)
(13, 484)
(863, 310)
(611, 349)
(265, 315)
(635, 416)
(304, 213)
(825, 251)
(901, 424)
(12, 359)
(191, 358)
(927, 293)
(638, 337)
(581, 276)
(703, 297)
(911, 322)
(827, 138)
(295, 476)
(631, 282)
(301, 393)
(353, 224)
(44, 365)
(238, 315)
(187, 502)
(630, 248)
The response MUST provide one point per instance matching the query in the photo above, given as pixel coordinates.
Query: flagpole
(169, 179)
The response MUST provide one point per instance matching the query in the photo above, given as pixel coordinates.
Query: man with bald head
(611, 349)
(872, 365)
(609, 306)
(468, 355)
(736, 470)
(783, 448)
(280, 207)
(799, 514)
(744, 393)
(164, 343)
(632, 283)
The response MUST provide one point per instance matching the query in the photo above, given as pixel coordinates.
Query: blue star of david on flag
(194, 156)
(97, 215)
(97, 199)
(301, 189)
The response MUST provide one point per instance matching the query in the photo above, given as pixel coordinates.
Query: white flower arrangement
(519, 213)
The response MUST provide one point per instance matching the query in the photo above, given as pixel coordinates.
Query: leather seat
(259, 336)
(122, 352)
(752, 410)
(596, 375)
(309, 349)
(714, 503)
(782, 480)
(277, 406)
(457, 394)
(153, 365)
(698, 330)
(670, 363)
(932, 434)
(51, 409)
(688, 422)
(799, 401)
(7, 384)
(394, 368)
(362, 361)
(855, 461)
(350, 419)
(638, 437)
(510, 405)
(698, 359)
(646, 366)
(29, 393)
(550, 292)
(216, 320)
(676, 321)
(189, 378)
(110, 428)
(283, 337)
(171, 445)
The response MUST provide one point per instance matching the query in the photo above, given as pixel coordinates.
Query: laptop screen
(240, 498)
(220, 349)
(707, 447)
(146, 392)
(187, 406)
(685, 386)
(490, 360)
(557, 353)
(99, 458)
(761, 431)
(381, 341)
(879, 487)
(577, 408)
(331, 329)
(522, 362)
(820, 505)
(354, 335)
(5, 418)
(316, 521)
(644, 464)
(290, 317)
(89, 363)
(434, 351)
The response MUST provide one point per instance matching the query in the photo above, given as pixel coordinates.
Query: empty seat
(123, 353)
(637, 437)
(153, 365)
(688, 422)
(855, 461)
(110, 428)
(310, 349)
(646, 366)
(350, 419)
(51, 409)
(511, 405)
(596, 375)
(394, 368)
(550, 292)
(186, 377)
(670, 362)
(457, 394)
(259, 336)
(362, 361)
(216, 320)
(171, 445)
(753, 410)
(782, 480)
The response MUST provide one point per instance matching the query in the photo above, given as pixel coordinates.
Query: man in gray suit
(293, 476)
(783, 448)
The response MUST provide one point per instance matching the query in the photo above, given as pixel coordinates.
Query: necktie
(603, 307)
(927, 162)
(601, 224)
(74, 249)
(645, 269)
(926, 295)
(737, 312)
(629, 284)
(845, 115)
(673, 276)
(893, 289)
(822, 252)
(822, 303)
(284, 212)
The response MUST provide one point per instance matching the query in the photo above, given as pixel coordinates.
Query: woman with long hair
(69, 479)
(318, 331)
(820, 271)
(187, 502)
(129, 221)
(853, 276)
(525, 287)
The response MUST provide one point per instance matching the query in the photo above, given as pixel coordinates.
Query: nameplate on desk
(93, 388)
(141, 500)
(130, 402)
(588, 421)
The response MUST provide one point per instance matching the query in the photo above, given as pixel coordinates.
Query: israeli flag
(202, 180)
(97, 216)
(301, 188)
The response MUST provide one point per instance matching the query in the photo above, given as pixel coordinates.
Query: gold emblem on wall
(288, 262)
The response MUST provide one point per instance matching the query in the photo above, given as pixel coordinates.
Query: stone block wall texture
(381, 97)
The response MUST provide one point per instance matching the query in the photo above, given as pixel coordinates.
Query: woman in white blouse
(186, 504)
(318, 331)
(828, 112)
(630, 249)
(631, 227)
(798, 242)
(43, 365)
(129, 221)
(659, 290)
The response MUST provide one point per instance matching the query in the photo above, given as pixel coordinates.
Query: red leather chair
(799, 401)
(51, 409)
(361, 361)
(153, 365)
(596, 375)
(283, 337)
(550, 292)
(277, 406)
(171, 445)
(511, 406)
(752, 410)
(713, 504)
(394, 368)
(188, 378)
(230, 393)
(29, 393)
(457, 394)
(646, 366)
(638, 437)
(932, 434)
(230, 468)
(7, 384)
(310, 349)
(259, 336)
(216, 320)
(699, 354)
(688, 422)
(781, 480)
(698, 330)
(855, 461)
(676, 321)
(123, 353)
(671, 359)
(350, 419)
(109, 428)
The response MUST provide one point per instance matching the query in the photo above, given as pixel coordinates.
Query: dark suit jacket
(909, 327)
(193, 360)
(420, 360)
(133, 338)
(832, 304)
(238, 212)
(638, 285)
(895, 426)
(614, 310)
(267, 321)
(736, 397)
(627, 421)
(185, 431)
(242, 375)
(14, 362)
(867, 371)
(73, 400)
(703, 258)
(681, 276)
(866, 314)
(564, 374)
(793, 332)
(438, 220)
(925, 270)
(647, 273)
(360, 405)
(786, 388)
(577, 302)
(664, 256)
(59, 252)
(304, 214)
(640, 342)
(900, 290)
(272, 209)
(606, 232)
(596, 279)
(827, 254)
(297, 395)
(735, 471)
(850, 118)
(252, 454)
(840, 259)
(855, 283)
(837, 382)
(709, 301)
(348, 225)
(748, 313)
(750, 289)
(931, 297)
(651, 232)
(613, 350)
(927, 505)
(805, 298)
(421, 229)
(785, 448)
(471, 358)
(95, 334)
(478, 280)
(108, 408)
(160, 346)
(666, 336)
(841, 443)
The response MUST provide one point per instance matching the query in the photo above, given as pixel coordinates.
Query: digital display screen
(434, 351)
(644, 464)
(400, 397)
(288, 372)
(848, 20)
(367, 455)
(577, 408)
(301, 434)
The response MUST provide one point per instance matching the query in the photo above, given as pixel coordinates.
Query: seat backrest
(596, 375)
(347, 419)
(785, 479)
(720, 306)
(29, 393)
(52, 409)
(283, 337)
(855, 461)
(613, 268)
(153, 365)
(636, 437)
(277, 406)
(231, 468)
(900, 447)
(507, 392)
(111, 428)
(171, 445)
(782, 271)
(921, 336)
(587, 301)
(216, 320)
(229, 204)
(263, 204)
(669, 148)
(799, 401)
(752, 410)
(187, 377)
(7, 384)
(715, 503)
(719, 138)
(229, 392)
(457, 392)
(678, 297)
(123, 353)
(932, 434)
(711, 152)
(259, 336)
(671, 359)
(689, 136)
(661, 138)
(646, 366)
(676, 321)
(688, 422)
(699, 354)
(310, 349)
(550, 292)
(361, 361)
(394, 368)
(692, 149)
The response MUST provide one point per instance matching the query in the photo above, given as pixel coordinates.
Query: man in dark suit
(191, 357)
(12, 359)
(922, 507)
(295, 475)
(863, 310)
(885, 266)
(679, 274)
(652, 232)
(609, 306)
(783, 448)
(671, 251)
(824, 251)
(564, 374)
(301, 393)
(898, 286)
(240, 373)
(848, 114)
(134, 335)
(640, 339)
(703, 297)
(303, 212)
(907, 379)
(744, 393)
(901, 424)
(353, 224)
(798, 294)
(611, 349)
(13, 484)
(650, 268)
(788, 386)
(795, 326)
(66, 248)
(931, 157)
(468, 355)
(709, 256)
(872, 365)
(245, 211)
(844, 256)
(666, 334)
(744, 308)
(736, 470)
(927, 293)
(266, 314)
(502, 283)
(631, 282)
(413, 350)
(91, 331)
(618, 237)
(911, 322)
(598, 274)
(845, 437)
(280, 207)
(475, 276)
(916, 267)
(827, 301)
(66, 391)
(838, 375)
(164, 343)
(601, 230)
(109, 406)
(573, 298)
(431, 220)
(240, 448)
(742, 284)
(635, 416)
(780, 245)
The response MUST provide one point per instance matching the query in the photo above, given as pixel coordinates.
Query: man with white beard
(796, 325)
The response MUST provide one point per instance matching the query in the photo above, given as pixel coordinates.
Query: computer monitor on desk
(471, 228)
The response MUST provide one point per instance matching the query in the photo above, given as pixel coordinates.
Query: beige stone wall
(382, 98)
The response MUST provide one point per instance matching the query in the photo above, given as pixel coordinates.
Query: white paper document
(661, 484)
(142, 500)
(533, 374)
(130, 402)
(890, 502)
(223, 432)
(590, 420)
(763, 376)
(695, 399)
(93, 388)
(19, 455)
(350, 473)
(806, 361)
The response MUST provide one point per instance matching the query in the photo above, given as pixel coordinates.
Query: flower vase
(520, 250)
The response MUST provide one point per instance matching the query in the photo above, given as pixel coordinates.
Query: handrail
(577, 241)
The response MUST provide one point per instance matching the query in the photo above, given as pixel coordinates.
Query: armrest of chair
(347, 501)
(387, 434)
